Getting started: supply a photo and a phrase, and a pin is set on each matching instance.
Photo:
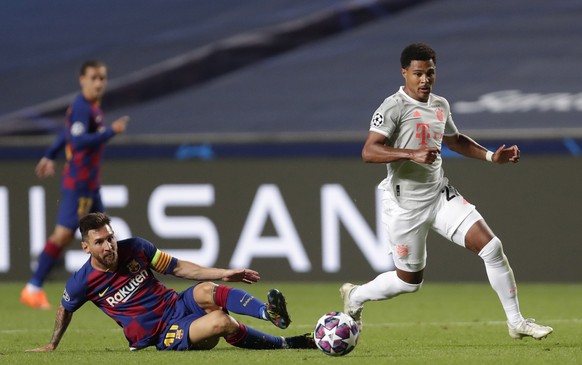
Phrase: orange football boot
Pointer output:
(35, 300)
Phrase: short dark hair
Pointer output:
(90, 64)
(92, 221)
(417, 52)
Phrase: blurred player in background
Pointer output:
(83, 138)
(118, 279)
(406, 133)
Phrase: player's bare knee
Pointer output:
(223, 324)
(204, 294)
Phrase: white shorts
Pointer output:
(407, 229)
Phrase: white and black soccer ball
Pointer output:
(336, 334)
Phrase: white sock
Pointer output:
(385, 286)
(501, 279)
(32, 288)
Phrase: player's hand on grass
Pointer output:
(46, 348)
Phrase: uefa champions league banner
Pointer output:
(297, 219)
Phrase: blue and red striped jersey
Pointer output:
(85, 136)
(132, 295)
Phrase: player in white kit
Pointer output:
(406, 133)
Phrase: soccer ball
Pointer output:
(336, 334)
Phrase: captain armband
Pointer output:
(162, 261)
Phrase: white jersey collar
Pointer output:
(414, 101)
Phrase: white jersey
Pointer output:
(411, 124)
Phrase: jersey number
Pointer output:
(451, 192)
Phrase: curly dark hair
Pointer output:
(417, 52)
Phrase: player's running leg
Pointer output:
(385, 286)
(33, 295)
(502, 281)
(479, 238)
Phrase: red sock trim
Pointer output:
(239, 336)
(220, 295)
(52, 249)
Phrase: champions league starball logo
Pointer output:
(77, 129)
(377, 120)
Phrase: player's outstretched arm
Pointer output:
(241, 275)
(62, 320)
(192, 271)
(466, 146)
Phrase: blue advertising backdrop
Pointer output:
(292, 70)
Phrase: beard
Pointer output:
(109, 260)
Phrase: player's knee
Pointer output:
(406, 287)
(206, 331)
(492, 251)
(62, 236)
(410, 288)
(223, 324)
(204, 294)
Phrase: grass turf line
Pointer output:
(441, 324)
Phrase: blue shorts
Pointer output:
(75, 205)
(186, 311)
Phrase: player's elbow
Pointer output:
(79, 143)
(367, 156)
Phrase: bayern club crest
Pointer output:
(440, 115)
(402, 250)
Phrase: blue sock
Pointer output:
(250, 338)
(239, 301)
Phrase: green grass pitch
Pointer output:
(441, 324)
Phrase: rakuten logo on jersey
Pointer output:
(123, 294)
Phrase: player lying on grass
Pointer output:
(118, 279)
